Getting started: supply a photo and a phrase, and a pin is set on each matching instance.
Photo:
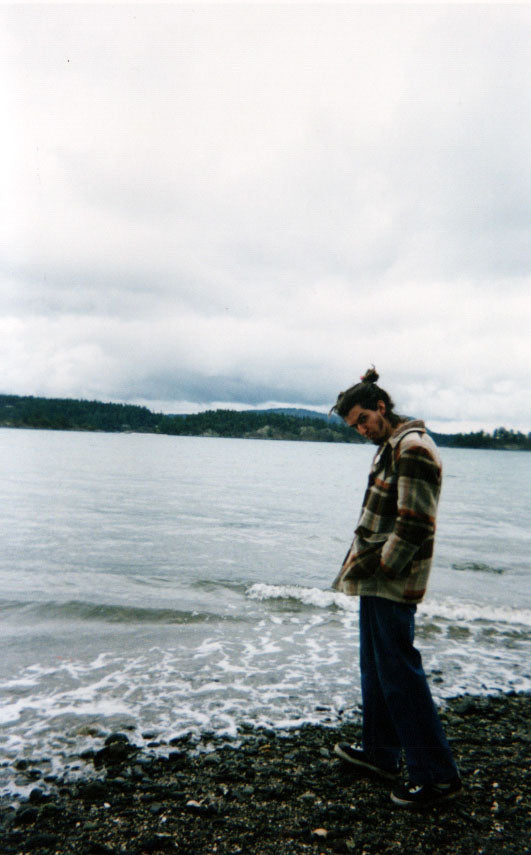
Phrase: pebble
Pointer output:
(26, 815)
(256, 800)
(320, 832)
(37, 796)
(117, 737)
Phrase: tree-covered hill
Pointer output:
(258, 425)
(70, 414)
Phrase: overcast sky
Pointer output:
(247, 204)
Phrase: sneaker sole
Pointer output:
(443, 797)
(368, 767)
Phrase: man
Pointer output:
(388, 566)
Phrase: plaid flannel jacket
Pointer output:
(392, 550)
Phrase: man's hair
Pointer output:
(366, 394)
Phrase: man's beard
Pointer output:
(383, 434)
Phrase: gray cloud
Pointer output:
(250, 204)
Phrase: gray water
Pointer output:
(182, 584)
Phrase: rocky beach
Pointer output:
(275, 793)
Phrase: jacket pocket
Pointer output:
(360, 564)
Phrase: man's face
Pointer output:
(370, 423)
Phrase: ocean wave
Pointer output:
(447, 609)
(476, 567)
(108, 612)
(312, 597)
(214, 585)
(461, 611)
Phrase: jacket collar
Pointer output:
(411, 426)
(387, 449)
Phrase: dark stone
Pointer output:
(97, 848)
(340, 846)
(7, 815)
(15, 838)
(201, 809)
(466, 706)
(145, 762)
(93, 791)
(49, 810)
(257, 801)
(26, 815)
(115, 753)
(177, 757)
(38, 841)
(88, 755)
(157, 843)
(117, 737)
(180, 740)
(33, 774)
(176, 793)
(37, 796)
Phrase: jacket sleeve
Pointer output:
(418, 487)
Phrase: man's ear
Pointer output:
(382, 409)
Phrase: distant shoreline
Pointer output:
(18, 411)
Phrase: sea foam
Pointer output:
(447, 609)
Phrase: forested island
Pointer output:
(18, 411)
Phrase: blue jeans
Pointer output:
(398, 710)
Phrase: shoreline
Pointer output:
(281, 794)
(284, 423)
(440, 439)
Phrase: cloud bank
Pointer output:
(245, 204)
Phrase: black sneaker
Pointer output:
(427, 794)
(358, 758)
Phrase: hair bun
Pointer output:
(371, 375)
